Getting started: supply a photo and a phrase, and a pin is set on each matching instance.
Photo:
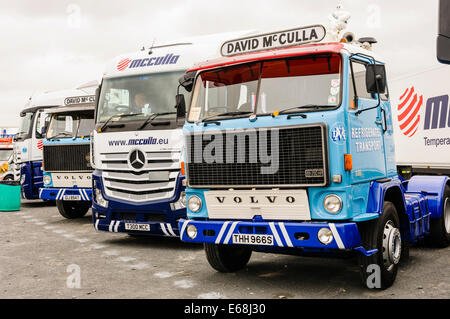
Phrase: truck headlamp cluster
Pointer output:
(194, 203)
(332, 204)
(180, 203)
(99, 198)
(47, 179)
(22, 179)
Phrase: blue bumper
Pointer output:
(50, 193)
(285, 234)
(155, 218)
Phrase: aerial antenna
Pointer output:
(150, 51)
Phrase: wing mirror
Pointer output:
(187, 81)
(376, 78)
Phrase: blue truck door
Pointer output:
(388, 136)
(366, 141)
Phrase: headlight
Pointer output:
(325, 236)
(22, 179)
(195, 203)
(99, 198)
(191, 231)
(332, 204)
(47, 179)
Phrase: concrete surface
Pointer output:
(40, 253)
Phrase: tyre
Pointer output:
(73, 209)
(440, 227)
(380, 269)
(8, 178)
(227, 258)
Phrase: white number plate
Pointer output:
(139, 227)
(250, 239)
(72, 197)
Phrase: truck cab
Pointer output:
(27, 154)
(137, 143)
(289, 149)
(67, 175)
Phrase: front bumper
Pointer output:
(285, 234)
(50, 193)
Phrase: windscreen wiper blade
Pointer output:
(61, 134)
(306, 106)
(119, 116)
(153, 116)
(226, 114)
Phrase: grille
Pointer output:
(61, 158)
(122, 182)
(301, 158)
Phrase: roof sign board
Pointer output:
(86, 99)
(274, 40)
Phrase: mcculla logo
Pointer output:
(408, 112)
(436, 115)
(137, 63)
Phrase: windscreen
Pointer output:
(5, 154)
(71, 125)
(25, 125)
(140, 95)
(264, 87)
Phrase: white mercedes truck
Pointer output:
(136, 148)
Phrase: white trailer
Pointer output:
(421, 116)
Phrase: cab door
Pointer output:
(366, 127)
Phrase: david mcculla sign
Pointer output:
(274, 40)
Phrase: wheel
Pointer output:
(380, 269)
(225, 258)
(73, 209)
(8, 178)
(440, 227)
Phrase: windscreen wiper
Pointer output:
(151, 117)
(306, 106)
(206, 119)
(61, 134)
(119, 116)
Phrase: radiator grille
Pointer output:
(301, 159)
(61, 158)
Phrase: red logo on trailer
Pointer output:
(122, 65)
(408, 112)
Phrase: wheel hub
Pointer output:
(392, 245)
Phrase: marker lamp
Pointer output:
(332, 204)
(194, 203)
(191, 231)
(47, 179)
(325, 236)
(180, 203)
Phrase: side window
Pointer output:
(359, 71)
(41, 121)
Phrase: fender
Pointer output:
(432, 187)
(377, 194)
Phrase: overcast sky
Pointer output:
(58, 44)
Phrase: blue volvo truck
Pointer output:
(289, 149)
(137, 142)
(67, 175)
